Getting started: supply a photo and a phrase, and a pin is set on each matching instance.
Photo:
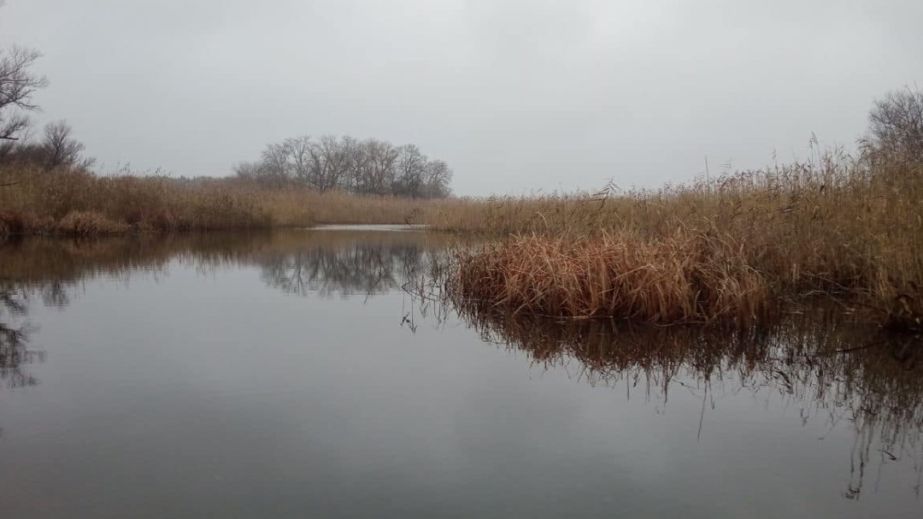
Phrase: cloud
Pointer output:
(516, 95)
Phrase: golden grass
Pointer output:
(685, 277)
(726, 248)
(40, 202)
(709, 250)
(89, 223)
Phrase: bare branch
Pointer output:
(17, 85)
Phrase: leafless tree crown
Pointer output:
(60, 149)
(366, 167)
(17, 84)
(896, 125)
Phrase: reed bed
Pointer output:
(75, 202)
(726, 248)
(685, 277)
(837, 226)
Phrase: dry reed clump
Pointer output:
(686, 277)
(89, 223)
(837, 226)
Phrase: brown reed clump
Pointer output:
(89, 223)
(848, 228)
(685, 277)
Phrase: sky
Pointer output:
(518, 96)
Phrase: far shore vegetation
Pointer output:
(847, 226)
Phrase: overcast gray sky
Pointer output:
(517, 96)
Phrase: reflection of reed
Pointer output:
(831, 369)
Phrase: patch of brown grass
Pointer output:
(89, 223)
(836, 226)
(685, 277)
(35, 201)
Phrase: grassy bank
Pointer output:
(727, 248)
(722, 249)
(730, 248)
(76, 202)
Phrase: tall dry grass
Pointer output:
(850, 228)
(74, 202)
(710, 250)
(685, 277)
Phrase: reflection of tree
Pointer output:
(817, 361)
(295, 261)
(298, 262)
(354, 268)
(13, 352)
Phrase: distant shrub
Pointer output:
(896, 126)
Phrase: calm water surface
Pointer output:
(317, 374)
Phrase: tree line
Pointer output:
(363, 167)
(344, 163)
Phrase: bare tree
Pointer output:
(411, 165)
(368, 167)
(298, 152)
(331, 163)
(373, 167)
(353, 156)
(896, 125)
(275, 161)
(379, 176)
(259, 173)
(17, 84)
(248, 171)
(60, 149)
(436, 179)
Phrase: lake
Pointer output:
(323, 373)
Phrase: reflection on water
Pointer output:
(816, 364)
(824, 367)
(326, 262)
(344, 269)
(14, 355)
(334, 261)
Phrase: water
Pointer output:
(316, 373)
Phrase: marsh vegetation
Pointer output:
(724, 249)
(729, 248)
(837, 226)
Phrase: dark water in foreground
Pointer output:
(295, 374)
